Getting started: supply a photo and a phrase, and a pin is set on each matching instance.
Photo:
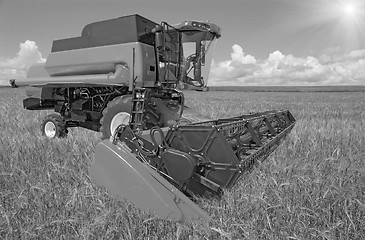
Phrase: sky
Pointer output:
(263, 43)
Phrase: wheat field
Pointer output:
(311, 187)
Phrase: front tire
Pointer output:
(117, 112)
(53, 126)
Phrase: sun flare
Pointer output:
(349, 9)
(346, 9)
(350, 21)
(342, 21)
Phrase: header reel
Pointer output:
(198, 159)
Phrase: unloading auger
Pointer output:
(123, 77)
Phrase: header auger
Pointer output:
(123, 77)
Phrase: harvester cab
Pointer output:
(196, 43)
(121, 77)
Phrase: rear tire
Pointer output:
(116, 112)
(53, 126)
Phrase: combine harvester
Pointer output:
(121, 78)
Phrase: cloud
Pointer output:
(239, 65)
(17, 67)
(239, 56)
(330, 68)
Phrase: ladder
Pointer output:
(137, 114)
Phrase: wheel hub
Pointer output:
(118, 119)
(50, 129)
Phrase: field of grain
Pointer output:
(311, 187)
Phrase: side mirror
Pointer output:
(202, 54)
(12, 83)
(159, 38)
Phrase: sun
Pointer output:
(342, 21)
(346, 10)
(349, 9)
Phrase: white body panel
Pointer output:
(102, 60)
(97, 65)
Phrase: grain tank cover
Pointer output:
(133, 28)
